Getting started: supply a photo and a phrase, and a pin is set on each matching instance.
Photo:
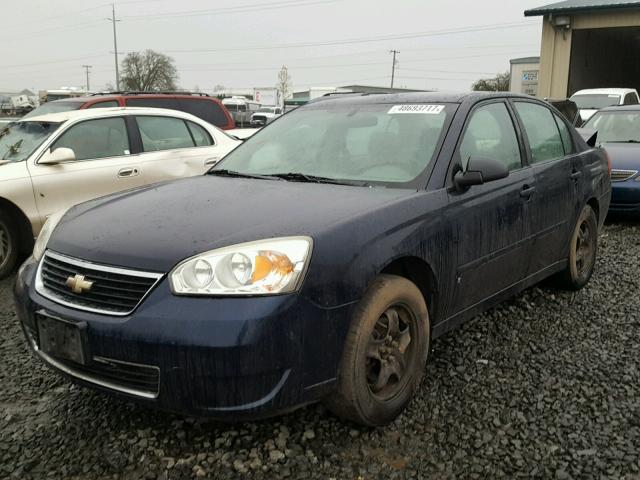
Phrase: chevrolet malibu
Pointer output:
(319, 259)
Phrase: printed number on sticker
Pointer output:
(425, 109)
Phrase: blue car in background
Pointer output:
(320, 258)
(618, 131)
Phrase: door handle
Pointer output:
(527, 191)
(575, 175)
(212, 160)
(128, 172)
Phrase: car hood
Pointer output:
(624, 156)
(155, 227)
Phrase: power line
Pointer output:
(229, 10)
(381, 38)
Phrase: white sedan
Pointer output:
(51, 162)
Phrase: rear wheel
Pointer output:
(582, 252)
(385, 353)
(8, 245)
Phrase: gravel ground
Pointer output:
(546, 386)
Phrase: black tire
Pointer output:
(375, 349)
(583, 248)
(9, 251)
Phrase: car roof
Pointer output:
(105, 97)
(417, 97)
(106, 112)
(612, 91)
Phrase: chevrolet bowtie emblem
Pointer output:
(78, 284)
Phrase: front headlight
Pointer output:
(264, 267)
(45, 234)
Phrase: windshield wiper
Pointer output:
(622, 141)
(303, 177)
(232, 173)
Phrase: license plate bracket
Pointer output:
(62, 339)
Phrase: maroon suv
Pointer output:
(201, 105)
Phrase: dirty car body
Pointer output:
(243, 353)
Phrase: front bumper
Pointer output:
(222, 357)
(625, 197)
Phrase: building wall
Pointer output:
(521, 83)
(555, 48)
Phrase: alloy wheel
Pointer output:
(389, 351)
(5, 246)
(585, 250)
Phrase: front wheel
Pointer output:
(582, 252)
(385, 353)
(8, 245)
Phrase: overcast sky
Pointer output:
(243, 43)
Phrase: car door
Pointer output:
(175, 148)
(103, 164)
(558, 188)
(492, 220)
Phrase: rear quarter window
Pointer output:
(170, 103)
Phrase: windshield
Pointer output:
(621, 126)
(373, 143)
(20, 139)
(54, 107)
(265, 109)
(595, 101)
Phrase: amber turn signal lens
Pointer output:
(267, 262)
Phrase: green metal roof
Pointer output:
(570, 6)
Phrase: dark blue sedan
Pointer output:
(618, 130)
(320, 258)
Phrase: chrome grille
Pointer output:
(114, 291)
(619, 175)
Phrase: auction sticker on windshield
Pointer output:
(428, 109)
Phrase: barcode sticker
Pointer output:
(424, 109)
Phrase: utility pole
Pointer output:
(115, 43)
(393, 66)
(86, 69)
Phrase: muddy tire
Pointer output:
(9, 251)
(583, 247)
(385, 353)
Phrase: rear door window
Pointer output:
(206, 109)
(105, 104)
(200, 135)
(92, 139)
(542, 131)
(567, 142)
(163, 133)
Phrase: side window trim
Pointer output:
(63, 132)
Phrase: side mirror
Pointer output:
(59, 155)
(479, 171)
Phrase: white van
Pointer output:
(241, 109)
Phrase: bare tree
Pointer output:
(148, 71)
(500, 83)
(284, 83)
